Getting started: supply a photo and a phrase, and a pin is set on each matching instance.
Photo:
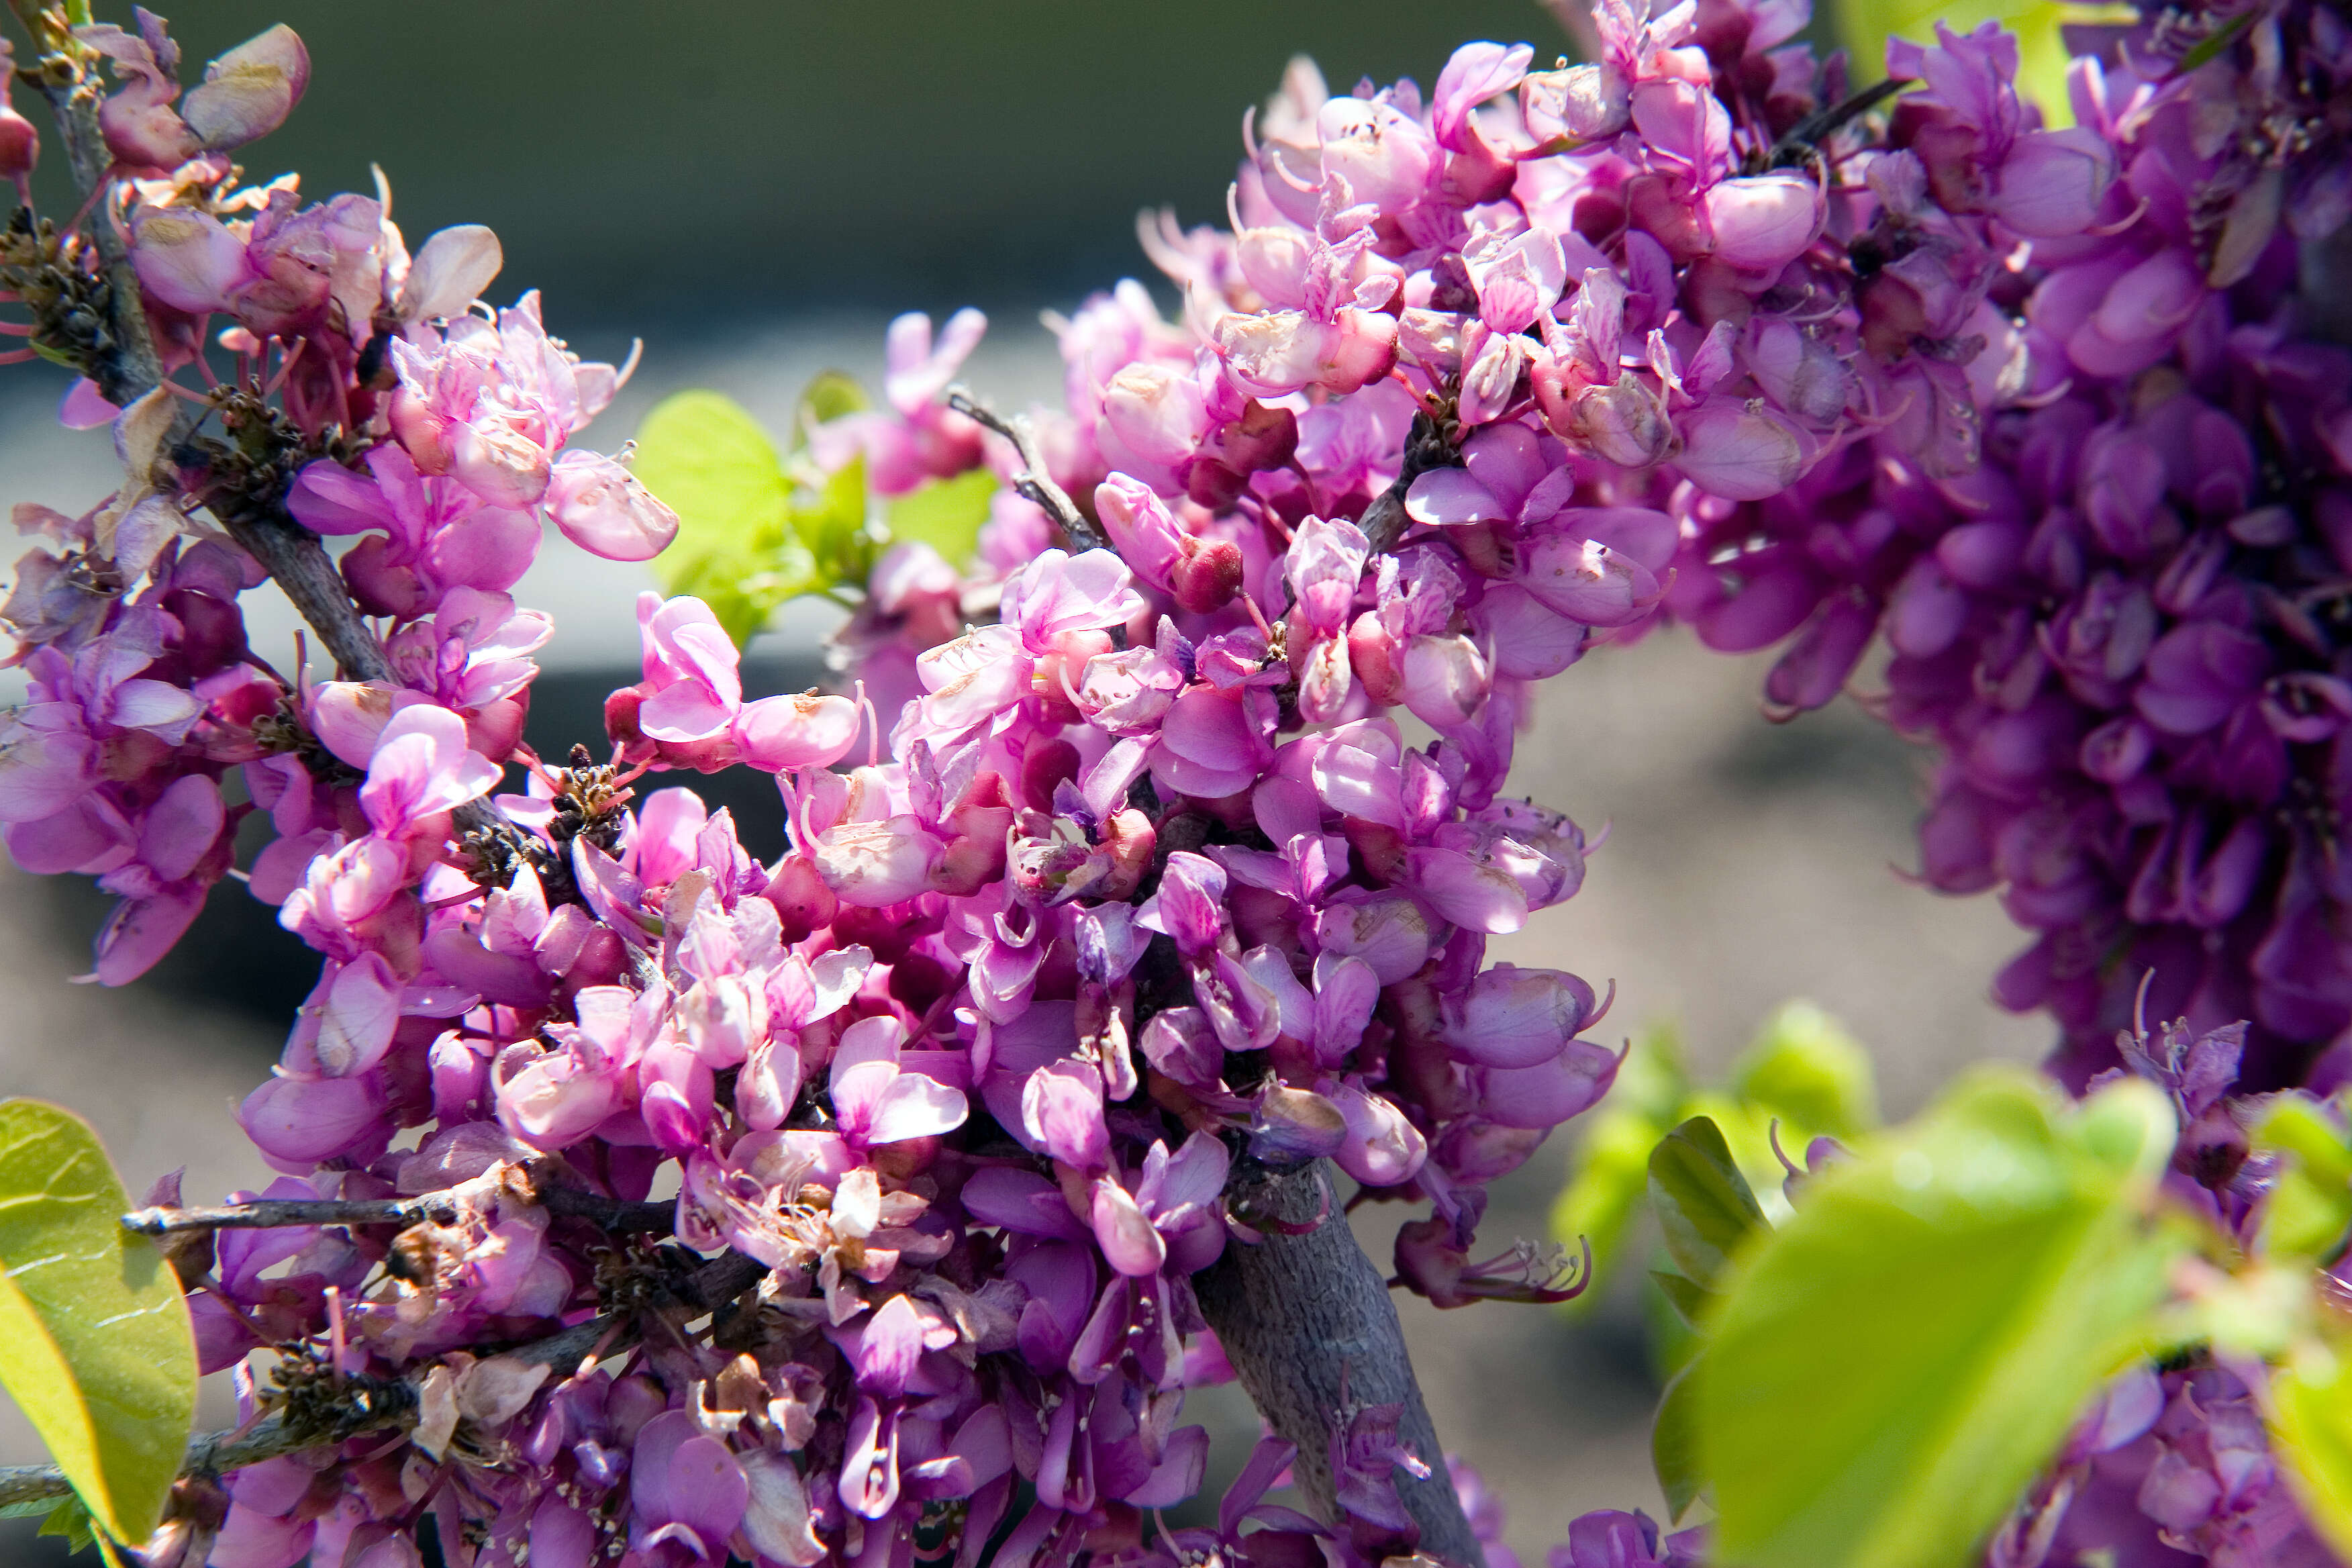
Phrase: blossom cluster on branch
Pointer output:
(1181, 865)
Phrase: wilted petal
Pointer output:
(249, 92)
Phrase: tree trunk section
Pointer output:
(1296, 1310)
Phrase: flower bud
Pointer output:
(873, 865)
(1550, 1092)
(1207, 574)
(20, 143)
(1381, 1148)
(803, 730)
(187, 260)
(1582, 104)
(1740, 451)
(1131, 839)
(500, 462)
(1623, 424)
(1515, 1017)
(1295, 1125)
(1763, 222)
(1445, 680)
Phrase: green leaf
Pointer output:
(747, 544)
(1889, 1367)
(2297, 1124)
(1704, 1207)
(832, 526)
(1673, 1442)
(1804, 1068)
(945, 514)
(1866, 25)
(2311, 1415)
(705, 456)
(2309, 1205)
(2222, 38)
(832, 395)
(70, 1520)
(1690, 1299)
(95, 1344)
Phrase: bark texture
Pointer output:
(1293, 1313)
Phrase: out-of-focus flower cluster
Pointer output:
(1146, 877)
(2101, 519)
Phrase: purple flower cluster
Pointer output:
(1143, 883)
(2100, 519)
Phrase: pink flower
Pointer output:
(601, 508)
(421, 768)
(877, 1102)
(688, 710)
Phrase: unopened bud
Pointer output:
(1207, 574)
(20, 143)
(1131, 839)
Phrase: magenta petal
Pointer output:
(301, 1122)
(1544, 1096)
(1130, 1242)
(328, 497)
(141, 930)
(1451, 496)
(913, 1106)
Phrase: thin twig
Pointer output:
(1804, 138)
(214, 1453)
(1034, 481)
(268, 1214)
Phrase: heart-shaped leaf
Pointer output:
(1887, 1369)
(945, 514)
(95, 1343)
(710, 461)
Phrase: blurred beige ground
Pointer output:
(1745, 864)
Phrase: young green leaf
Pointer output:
(1889, 1367)
(71, 1521)
(945, 514)
(2311, 1419)
(705, 456)
(831, 395)
(832, 527)
(1689, 1299)
(1673, 1441)
(1704, 1207)
(2309, 1205)
(1804, 1068)
(95, 1343)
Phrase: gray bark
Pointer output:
(1294, 1312)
